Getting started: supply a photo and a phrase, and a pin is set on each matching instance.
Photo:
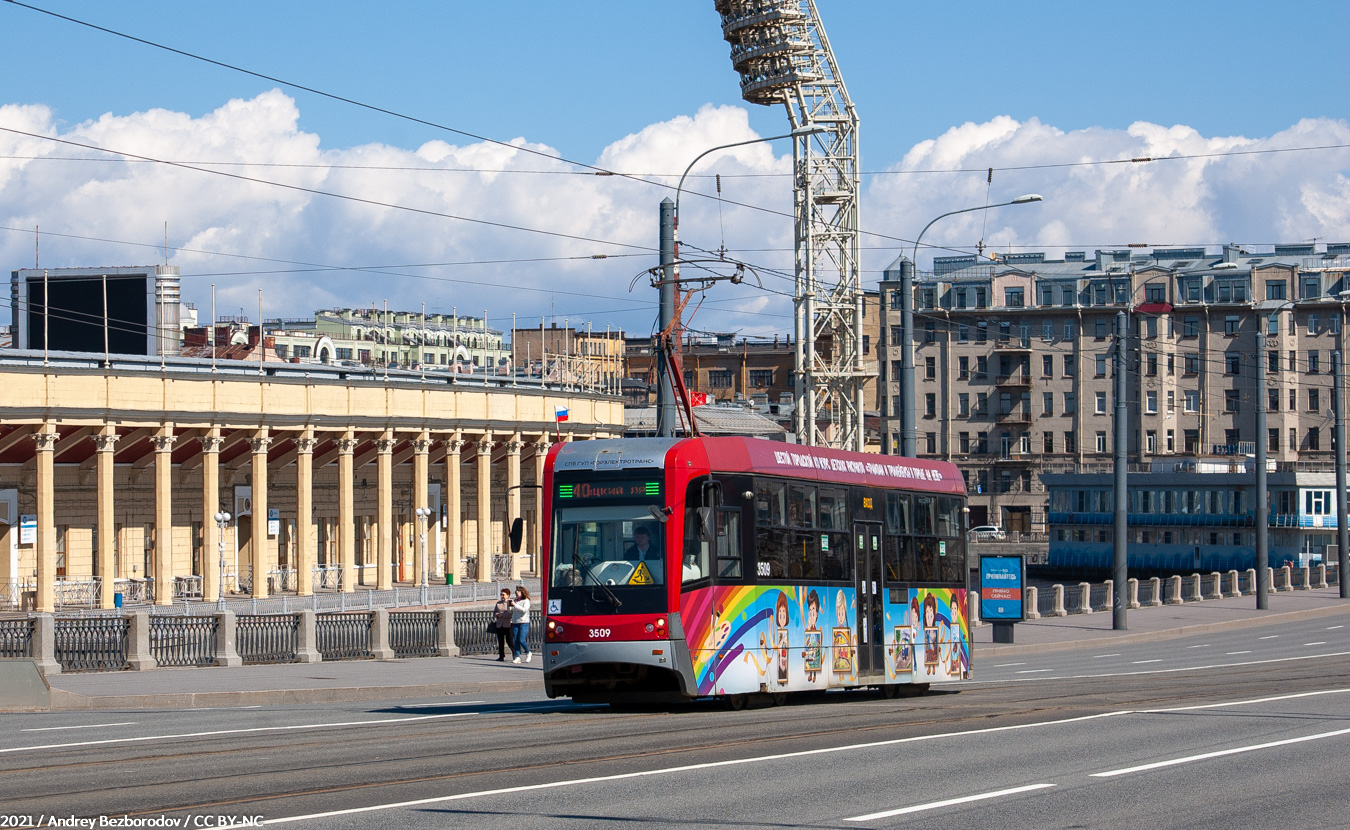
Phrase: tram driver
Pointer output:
(644, 549)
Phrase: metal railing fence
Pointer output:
(16, 639)
(343, 636)
(413, 633)
(183, 641)
(267, 638)
(92, 644)
(472, 635)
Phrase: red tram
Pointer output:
(732, 567)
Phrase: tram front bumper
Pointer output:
(650, 669)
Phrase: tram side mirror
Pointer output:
(706, 531)
(517, 532)
(661, 514)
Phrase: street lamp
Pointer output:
(670, 277)
(423, 516)
(222, 522)
(908, 437)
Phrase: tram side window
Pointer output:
(953, 565)
(909, 566)
(836, 561)
(949, 517)
(924, 507)
(695, 563)
(926, 566)
(803, 555)
(770, 553)
(729, 543)
(897, 513)
(770, 504)
(890, 552)
(833, 509)
(801, 505)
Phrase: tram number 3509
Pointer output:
(597, 633)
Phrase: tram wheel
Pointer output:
(889, 691)
(780, 698)
(737, 702)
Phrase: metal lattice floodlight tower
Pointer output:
(780, 49)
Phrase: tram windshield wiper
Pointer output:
(609, 593)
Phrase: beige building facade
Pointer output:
(111, 477)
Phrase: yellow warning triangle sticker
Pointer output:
(641, 576)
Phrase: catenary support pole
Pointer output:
(1262, 503)
(1342, 529)
(666, 414)
(908, 438)
(1119, 539)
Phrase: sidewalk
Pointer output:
(357, 680)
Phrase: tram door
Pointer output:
(871, 605)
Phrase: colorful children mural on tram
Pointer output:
(750, 638)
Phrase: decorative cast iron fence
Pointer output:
(472, 635)
(267, 638)
(343, 636)
(413, 633)
(91, 643)
(183, 641)
(16, 639)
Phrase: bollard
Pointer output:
(1132, 586)
(1174, 590)
(1270, 580)
(1085, 597)
(1233, 589)
(1155, 598)
(1059, 602)
(139, 657)
(973, 608)
(445, 634)
(1108, 604)
(1322, 575)
(44, 644)
(1031, 608)
(1251, 581)
(379, 635)
(1215, 586)
(307, 639)
(1287, 576)
(227, 652)
(1304, 577)
(1194, 579)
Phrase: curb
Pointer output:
(1166, 634)
(64, 701)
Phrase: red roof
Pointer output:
(756, 455)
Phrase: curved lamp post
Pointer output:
(908, 437)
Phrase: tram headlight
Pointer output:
(552, 624)
(660, 622)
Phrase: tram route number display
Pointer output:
(603, 490)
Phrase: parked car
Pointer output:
(988, 533)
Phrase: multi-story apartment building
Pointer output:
(374, 337)
(570, 355)
(1014, 373)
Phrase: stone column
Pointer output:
(346, 521)
(259, 444)
(1031, 606)
(1155, 588)
(1085, 597)
(45, 445)
(537, 526)
(163, 447)
(304, 513)
(421, 448)
(485, 508)
(453, 519)
(1058, 610)
(1174, 590)
(211, 575)
(512, 498)
(1133, 592)
(1233, 589)
(106, 444)
(384, 579)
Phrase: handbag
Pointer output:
(492, 626)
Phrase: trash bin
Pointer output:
(117, 599)
(449, 579)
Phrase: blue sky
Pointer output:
(649, 85)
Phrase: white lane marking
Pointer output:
(1163, 671)
(1334, 627)
(1321, 643)
(1204, 756)
(1293, 696)
(298, 726)
(933, 805)
(446, 703)
(1231, 653)
(1202, 645)
(1008, 665)
(1097, 656)
(1142, 662)
(220, 708)
(81, 726)
(1034, 671)
(1269, 637)
(623, 776)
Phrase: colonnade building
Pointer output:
(112, 470)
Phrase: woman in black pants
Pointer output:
(501, 619)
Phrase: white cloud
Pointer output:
(1249, 198)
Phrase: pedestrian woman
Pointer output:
(520, 624)
(501, 623)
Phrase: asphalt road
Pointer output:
(1226, 730)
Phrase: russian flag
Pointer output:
(560, 413)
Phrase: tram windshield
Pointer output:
(612, 546)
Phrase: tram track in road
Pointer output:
(269, 771)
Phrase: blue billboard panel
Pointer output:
(1001, 581)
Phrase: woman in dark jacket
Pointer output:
(501, 619)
